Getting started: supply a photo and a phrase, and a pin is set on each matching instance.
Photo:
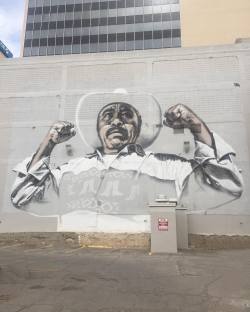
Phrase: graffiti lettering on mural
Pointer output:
(122, 176)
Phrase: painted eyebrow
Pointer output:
(127, 108)
(108, 110)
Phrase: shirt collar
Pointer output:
(127, 150)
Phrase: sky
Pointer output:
(11, 23)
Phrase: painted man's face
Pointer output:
(118, 124)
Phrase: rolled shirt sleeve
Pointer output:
(30, 183)
(216, 163)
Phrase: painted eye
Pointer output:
(127, 114)
(108, 116)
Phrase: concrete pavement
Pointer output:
(106, 280)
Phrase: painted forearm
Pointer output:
(44, 150)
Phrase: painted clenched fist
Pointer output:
(61, 131)
(180, 116)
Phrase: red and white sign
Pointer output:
(162, 224)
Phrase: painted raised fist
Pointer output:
(61, 131)
(180, 116)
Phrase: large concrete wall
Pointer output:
(214, 82)
(214, 22)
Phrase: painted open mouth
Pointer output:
(118, 131)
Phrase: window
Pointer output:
(51, 41)
(69, 7)
(59, 41)
(121, 37)
(67, 40)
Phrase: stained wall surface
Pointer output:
(35, 92)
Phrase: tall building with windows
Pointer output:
(4, 51)
(55, 27)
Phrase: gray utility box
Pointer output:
(163, 228)
(168, 227)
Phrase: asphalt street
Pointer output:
(107, 280)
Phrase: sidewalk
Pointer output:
(106, 280)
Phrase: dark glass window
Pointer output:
(148, 18)
(130, 19)
(39, 10)
(29, 26)
(166, 17)
(93, 39)
(67, 40)
(86, 23)
(167, 33)
(37, 26)
(130, 36)
(46, 10)
(69, 7)
(85, 39)
(121, 3)
(175, 16)
(94, 22)
(176, 33)
(103, 21)
(45, 25)
(35, 43)
(69, 23)
(104, 5)
(86, 6)
(52, 25)
(76, 40)
(27, 43)
(103, 38)
(51, 41)
(78, 7)
(112, 20)
(111, 37)
(54, 9)
(95, 6)
(121, 37)
(61, 8)
(157, 34)
(112, 4)
(157, 17)
(120, 20)
(139, 19)
(60, 24)
(77, 23)
(31, 11)
(148, 35)
(130, 3)
(43, 42)
(59, 41)
(139, 3)
(139, 35)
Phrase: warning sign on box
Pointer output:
(162, 224)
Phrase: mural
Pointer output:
(122, 176)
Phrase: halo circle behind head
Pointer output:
(91, 104)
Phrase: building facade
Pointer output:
(4, 51)
(214, 22)
(213, 82)
(56, 27)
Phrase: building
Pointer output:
(68, 27)
(80, 26)
(210, 22)
(34, 92)
(4, 51)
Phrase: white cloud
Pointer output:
(11, 23)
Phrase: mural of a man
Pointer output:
(120, 177)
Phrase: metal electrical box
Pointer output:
(163, 227)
